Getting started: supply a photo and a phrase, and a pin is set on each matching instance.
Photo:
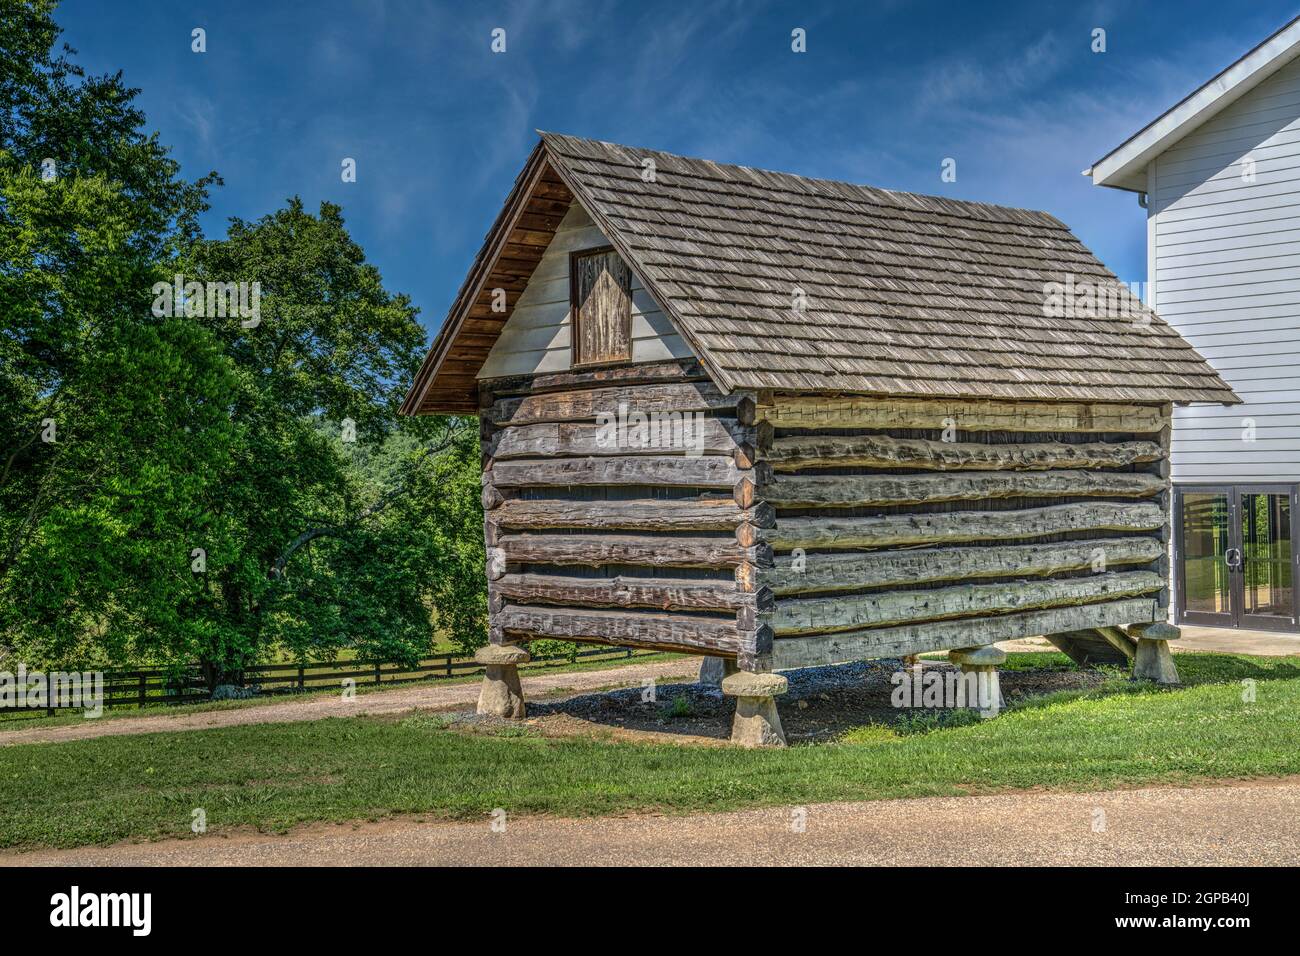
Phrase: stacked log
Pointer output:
(789, 530)
(912, 525)
(622, 509)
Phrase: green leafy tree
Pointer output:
(106, 412)
(177, 487)
(412, 552)
(308, 549)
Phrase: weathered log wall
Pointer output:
(620, 508)
(910, 525)
(639, 505)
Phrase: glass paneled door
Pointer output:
(1203, 525)
(1265, 579)
(1236, 565)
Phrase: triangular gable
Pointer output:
(537, 338)
(511, 251)
(447, 380)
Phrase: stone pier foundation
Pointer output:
(1153, 661)
(983, 662)
(757, 723)
(501, 695)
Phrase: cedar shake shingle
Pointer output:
(906, 294)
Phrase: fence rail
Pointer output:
(143, 686)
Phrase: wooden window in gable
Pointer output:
(600, 302)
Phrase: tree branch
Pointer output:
(445, 441)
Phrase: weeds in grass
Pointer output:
(1117, 684)
(870, 734)
(677, 708)
(926, 721)
(427, 722)
(513, 732)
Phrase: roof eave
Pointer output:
(470, 288)
(1129, 180)
(541, 157)
(1125, 166)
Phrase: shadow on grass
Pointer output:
(1194, 667)
(852, 702)
(1203, 667)
(1032, 661)
(823, 704)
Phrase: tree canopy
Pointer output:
(191, 484)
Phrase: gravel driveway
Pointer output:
(1239, 824)
(418, 697)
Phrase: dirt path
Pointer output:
(1240, 824)
(421, 697)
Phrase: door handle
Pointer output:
(1233, 559)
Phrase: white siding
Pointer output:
(1224, 269)
(536, 337)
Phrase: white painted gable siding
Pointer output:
(1224, 266)
(536, 337)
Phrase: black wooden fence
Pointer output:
(158, 685)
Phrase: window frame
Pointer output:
(575, 315)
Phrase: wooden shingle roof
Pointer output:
(782, 282)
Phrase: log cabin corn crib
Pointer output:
(777, 530)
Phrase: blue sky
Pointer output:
(439, 125)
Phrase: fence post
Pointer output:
(448, 665)
(302, 677)
(377, 666)
(143, 695)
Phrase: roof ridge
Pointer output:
(902, 199)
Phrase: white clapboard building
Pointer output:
(1219, 175)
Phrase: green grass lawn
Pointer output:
(275, 775)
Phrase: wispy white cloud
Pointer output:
(993, 76)
(198, 114)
